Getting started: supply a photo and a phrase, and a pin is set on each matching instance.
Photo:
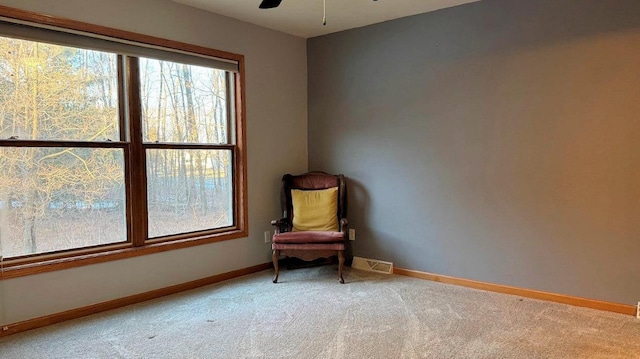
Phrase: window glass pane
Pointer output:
(51, 92)
(182, 103)
(188, 190)
(60, 198)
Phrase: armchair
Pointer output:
(314, 223)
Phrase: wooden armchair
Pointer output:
(314, 223)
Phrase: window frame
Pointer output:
(134, 153)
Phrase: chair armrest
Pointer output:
(282, 225)
(344, 223)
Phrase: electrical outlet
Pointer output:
(352, 234)
(638, 311)
(267, 236)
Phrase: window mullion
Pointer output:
(138, 173)
(124, 137)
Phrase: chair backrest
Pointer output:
(312, 181)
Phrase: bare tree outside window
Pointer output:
(187, 189)
(65, 155)
(56, 198)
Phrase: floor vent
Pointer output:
(372, 265)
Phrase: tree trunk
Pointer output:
(29, 234)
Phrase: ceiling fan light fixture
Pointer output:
(269, 4)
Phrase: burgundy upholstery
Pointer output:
(310, 181)
(309, 245)
(308, 237)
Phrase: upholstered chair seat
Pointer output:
(308, 237)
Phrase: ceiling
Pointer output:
(303, 18)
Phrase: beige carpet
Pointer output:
(310, 315)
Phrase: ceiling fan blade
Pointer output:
(268, 4)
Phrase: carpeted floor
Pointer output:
(310, 315)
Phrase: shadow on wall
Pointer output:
(388, 244)
(357, 198)
(365, 245)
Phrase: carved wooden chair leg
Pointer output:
(276, 255)
(340, 265)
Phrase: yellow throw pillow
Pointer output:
(315, 210)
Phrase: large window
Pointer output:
(185, 128)
(110, 146)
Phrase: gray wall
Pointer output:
(496, 141)
(276, 103)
